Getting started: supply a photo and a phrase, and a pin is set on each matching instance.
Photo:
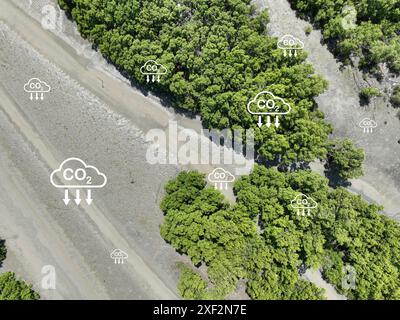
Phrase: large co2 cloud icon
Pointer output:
(74, 173)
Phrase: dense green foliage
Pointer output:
(226, 238)
(370, 92)
(219, 56)
(368, 29)
(13, 289)
(345, 159)
(191, 285)
(262, 239)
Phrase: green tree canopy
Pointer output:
(13, 289)
(219, 56)
(345, 158)
(368, 29)
(263, 240)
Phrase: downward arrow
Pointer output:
(66, 198)
(78, 197)
(259, 123)
(277, 121)
(268, 121)
(89, 199)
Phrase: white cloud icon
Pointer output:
(266, 103)
(289, 42)
(303, 201)
(36, 85)
(368, 123)
(220, 175)
(152, 67)
(75, 173)
(118, 254)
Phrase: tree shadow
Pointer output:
(268, 163)
(334, 179)
(3, 251)
(299, 166)
(302, 269)
(364, 101)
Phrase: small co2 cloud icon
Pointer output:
(222, 177)
(368, 125)
(154, 69)
(119, 256)
(36, 87)
(74, 173)
(303, 203)
(266, 103)
(290, 44)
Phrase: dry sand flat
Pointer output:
(33, 237)
(63, 125)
